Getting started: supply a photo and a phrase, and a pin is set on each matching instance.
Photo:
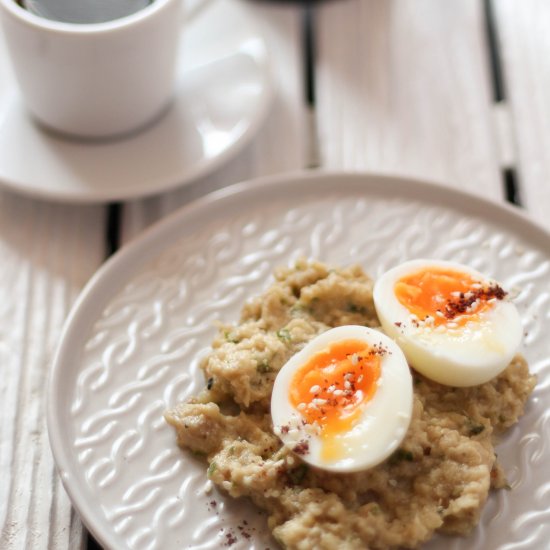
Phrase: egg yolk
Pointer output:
(444, 295)
(331, 389)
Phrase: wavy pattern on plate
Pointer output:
(143, 355)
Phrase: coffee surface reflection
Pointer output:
(83, 11)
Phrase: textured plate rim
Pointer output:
(99, 289)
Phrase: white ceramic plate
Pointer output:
(224, 92)
(132, 344)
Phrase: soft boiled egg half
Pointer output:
(453, 323)
(344, 402)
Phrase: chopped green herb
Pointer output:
(476, 429)
(198, 453)
(263, 367)
(354, 308)
(231, 337)
(473, 427)
(211, 469)
(298, 474)
(375, 510)
(284, 335)
(296, 308)
(400, 455)
(507, 487)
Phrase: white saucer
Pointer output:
(224, 92)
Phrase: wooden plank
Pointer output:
(48, 253)
(525, 45)
(281, 143)
(403, 87)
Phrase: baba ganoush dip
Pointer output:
(438, 480)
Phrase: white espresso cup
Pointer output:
(95, 80)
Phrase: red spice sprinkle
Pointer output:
(301, 448)
(285, 429)
(379, 349)
(453, 308)
(211, 505)
(230, 539)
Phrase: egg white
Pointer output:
(385, 417)
(460, 356)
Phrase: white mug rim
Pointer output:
(44, 24)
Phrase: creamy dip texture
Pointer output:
(438, 479)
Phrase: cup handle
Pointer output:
(194, 9)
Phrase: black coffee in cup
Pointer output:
(83, 11)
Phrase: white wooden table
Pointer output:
(457, 91)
